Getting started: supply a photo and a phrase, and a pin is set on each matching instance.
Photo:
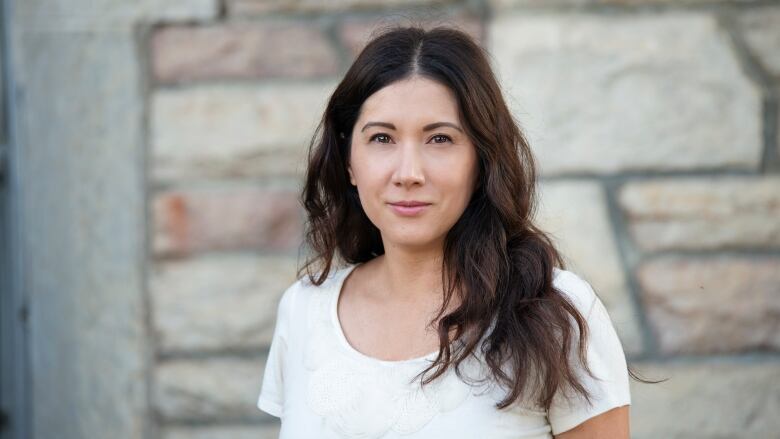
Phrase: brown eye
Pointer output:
(441, 136)
(377, 136)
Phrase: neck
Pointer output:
(410, 276)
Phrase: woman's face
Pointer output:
(408, 145)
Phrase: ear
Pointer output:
(351, 177)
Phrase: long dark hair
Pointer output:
(494, 253)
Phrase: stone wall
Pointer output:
(655, 124)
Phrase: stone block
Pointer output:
(225, 218)
(707, 399)
(242, 50)
(218, 302)
(717, 304)
(502, 4)
(703, 213)
(90, 16)
(208, 389)
(611, 93)
(254, 7)
(234, 130)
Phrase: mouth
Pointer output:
(409, 208)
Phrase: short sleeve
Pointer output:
(605, 358)
(271, 399)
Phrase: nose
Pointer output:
(409, 170)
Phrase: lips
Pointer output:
(410, 203)
(409, 208)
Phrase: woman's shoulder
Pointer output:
(576, 288)
(301, 291)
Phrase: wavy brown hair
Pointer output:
(493, 253)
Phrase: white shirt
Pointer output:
(321, 387)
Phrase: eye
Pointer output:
(442, 136)
(382, 135)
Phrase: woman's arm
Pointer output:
(612, 424)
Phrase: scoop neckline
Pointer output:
(338, 287)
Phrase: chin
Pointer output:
(410, 239)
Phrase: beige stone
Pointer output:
(225, 218)
(242, 50)
(500, 4)
(216, 388)
(703, 212)
(218, 301)
(234, 130)
(574, 213)
(706, 398)
(717, 304)
(608, 93)
(282, 163)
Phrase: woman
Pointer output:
(451, 314)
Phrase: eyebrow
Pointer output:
(430, 126)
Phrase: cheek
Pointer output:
(364, 168)
(457, 177)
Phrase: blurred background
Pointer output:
(151, 153)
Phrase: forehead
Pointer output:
(411, 99)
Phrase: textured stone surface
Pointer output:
(218, 302)
(222, 388)
(107, 15)
(221, 130)
(261, 6)
(760, 28)
(713, 305)
(575, 214)
(509, 3)
(707, 400)
(703, 213)
(289, 49)
(219, 218)
(260, 431)
(79, 246)
(610, 93)
(354, 33)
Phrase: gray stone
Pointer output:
(761, 30)
(601, 93)
(217, 388)
(703, 213)
(707, 400)
(260, 431)
(218, 301)
(108, 15)
(80, 193)
(262, 6)
(233, 130)
(574, 213)
(721, 304)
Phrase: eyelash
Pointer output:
(371, 139)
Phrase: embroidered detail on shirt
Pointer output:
(364, 399)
